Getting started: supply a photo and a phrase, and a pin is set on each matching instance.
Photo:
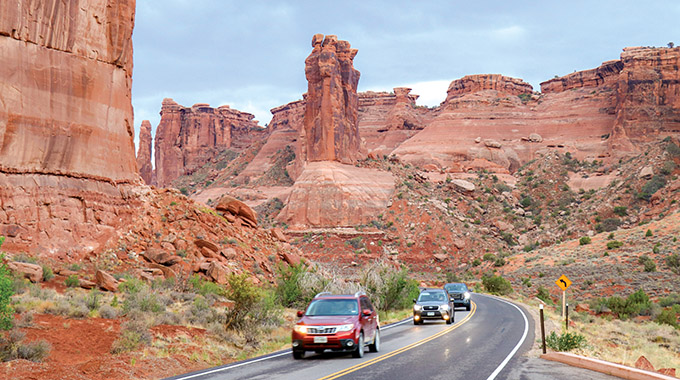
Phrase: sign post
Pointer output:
(563, 282)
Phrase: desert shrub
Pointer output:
(6, 292)
(72, 281)
(668, 167)
(565, 342)
(11, 348)
(621, 210)
(246, 297)
(489, 257)
(204, 287)
(476, 262)
(647, 263)
(668, 317)
(670, 300)
(651, 187)
(93, 298)
(673, 149)
(452, 277)
(389, 288)
(145, 300)
(48, 274)
(649, 233)
(355, 243)
(133, 334)
(132, 285)
(584, 240)
(497, 285)
(108, 312)
(499, 262)
(608, 225)
(544, 295)
(635, 304)
(614, 244)
(673, 263)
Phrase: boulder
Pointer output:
(233, 206)
(105, 281)
(200, 243)
(492, 144)
(646, 173)
(217, 272)
(441, 256)
(158, 256)
(535, 137)
(463, 185)
(86, 284)
(278, 234)
(291, 258)
(33, 272)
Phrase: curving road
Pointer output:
(485, 343)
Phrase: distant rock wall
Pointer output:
(67, 160)
(189, 137)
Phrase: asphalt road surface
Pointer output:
(485, 343)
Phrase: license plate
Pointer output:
(320, 339)
(430, 313)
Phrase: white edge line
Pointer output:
(519, 344)
(268, 357)
(232, 366)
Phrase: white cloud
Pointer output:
(432, 93)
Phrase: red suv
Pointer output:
(339, 323)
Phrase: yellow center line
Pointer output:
(403, 349)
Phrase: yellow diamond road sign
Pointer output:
(563, 282)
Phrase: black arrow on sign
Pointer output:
(564, 282)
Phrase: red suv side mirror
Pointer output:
(366, 312)
(300, 313)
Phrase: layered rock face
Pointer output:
(475, 83)
(330, 122)
(66, 122)
(188, 137)
(144, 153)
(330, 194)
(648, 96)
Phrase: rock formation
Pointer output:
(144, 153)
(188, 137)
(648, 96)
(330, 122)
(329, 192)
(66, 123)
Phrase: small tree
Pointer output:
(671, 45)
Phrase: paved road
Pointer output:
(486, 343)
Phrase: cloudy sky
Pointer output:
(250, 54)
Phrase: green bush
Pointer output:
(614, 244)
(544, 295)
(489, 257)
(648, 263)
(499, 262)
(72, 281)
(47, 273)
(246, 297)
(637, 303)
(621, 210)
(668, 317)
(497, 285)
(651, 187)
(584, 240)
(388, 287)
(673, 263)
(204, 287)
(288, 288)
(6, 293)
(565, 342)
(649, 233)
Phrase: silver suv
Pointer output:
(433, 304)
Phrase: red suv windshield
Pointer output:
(327, 307)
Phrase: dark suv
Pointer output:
(339, 323)
(459, 294)
(433, 304)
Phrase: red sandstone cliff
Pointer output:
(66, 123)
(144, 153)
(188, 137)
